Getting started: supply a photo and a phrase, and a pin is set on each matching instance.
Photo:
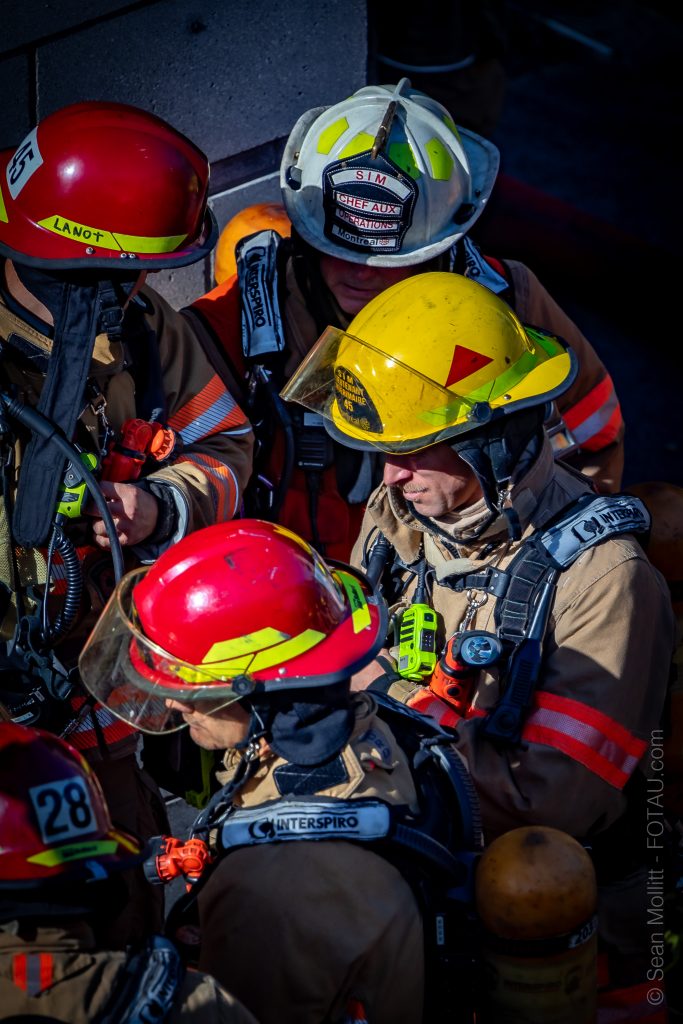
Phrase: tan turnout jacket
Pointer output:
(604, 673)
(310, 932)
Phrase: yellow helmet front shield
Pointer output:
(431, 357)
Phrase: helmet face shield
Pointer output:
(372, 399)
(135, 679)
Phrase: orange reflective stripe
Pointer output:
(588, 736)
(209, 412)
(32, 972)
(222, 481)
(46, 970)
(595, 420)
(428, 704)
(19, 970)
(113, 729)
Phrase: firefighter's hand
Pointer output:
(134, 511)
(361, 680)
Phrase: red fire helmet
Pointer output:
(104, 184)
(239, 607)
(53, 817)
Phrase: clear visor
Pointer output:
(136, 680)
(373, 398)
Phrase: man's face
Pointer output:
(355, 284)
(211, 729)
(435, 480)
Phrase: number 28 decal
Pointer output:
(63, 810)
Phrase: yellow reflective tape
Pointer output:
(123, 840)
(360, 611)
(440, 160)
(79, 232)
(287, 650)
(74, 851)
(141, 243)
(251, 653)
(359, 144)
(3, 211)
(452, 126)
(403, 156)
(292, 536)
(227, 650)
(331, 134)
(101, 239)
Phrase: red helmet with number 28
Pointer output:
(54, 820)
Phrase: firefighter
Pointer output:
(377, 188)
(554, 634)
(330, 838)
(60, 875)
(98, 372)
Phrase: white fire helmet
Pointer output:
(385, 177)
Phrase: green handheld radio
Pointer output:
(417, 642)
(70, 501)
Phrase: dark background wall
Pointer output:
(587, 119)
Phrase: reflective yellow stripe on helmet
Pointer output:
(74, 851)
(360, 612)
(101, 239)
(270, 647)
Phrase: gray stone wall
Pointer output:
(234, 75)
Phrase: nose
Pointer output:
(397, 470)
(361, 271)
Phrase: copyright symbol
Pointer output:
(655, 996)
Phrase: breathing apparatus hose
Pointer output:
(60, 543)
(282, 486)
(42, 426)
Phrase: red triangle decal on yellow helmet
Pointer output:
(465, 362)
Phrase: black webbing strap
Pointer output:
(513, 611)
(61, 401)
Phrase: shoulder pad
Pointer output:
(304, 818)
(262, 334)
(589, 521)
(480, 269)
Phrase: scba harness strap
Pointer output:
(525, 593)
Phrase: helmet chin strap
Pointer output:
(82, 306)
(493, 453)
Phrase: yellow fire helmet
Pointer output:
(433, 357)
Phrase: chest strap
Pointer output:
(526, 592)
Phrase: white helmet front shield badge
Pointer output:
(368, 203)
